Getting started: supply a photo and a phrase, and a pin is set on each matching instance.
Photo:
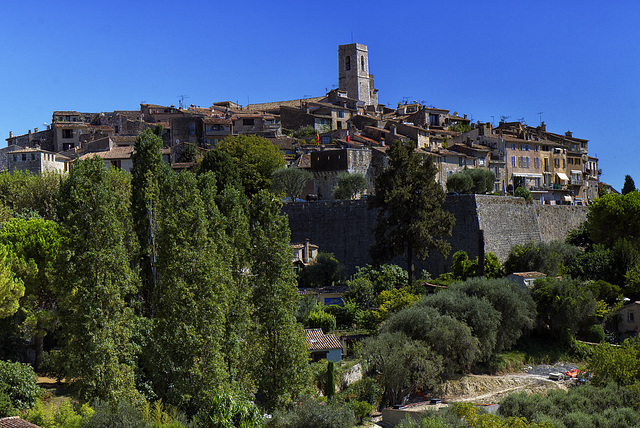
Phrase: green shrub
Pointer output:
(313, 414)
(227, 411)
(6, 406)
(362, 409)
(594, 333)
(20, 381)
(366, 389)
(124, 415)
(323, 320)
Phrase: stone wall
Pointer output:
(345, 228)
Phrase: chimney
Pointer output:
(10, 134)
(29, 132)
(543, 126)
(465, 116)
(35, 130)
(305, 252)
(568, 134)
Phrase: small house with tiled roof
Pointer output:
(525, 279)
(37, 161)
(629, 320)
(16, 422)
(323, 346)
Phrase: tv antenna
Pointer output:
(181, 100)
(504, 118)
(493, 119)
(406, 99)
(522, 121)
(540, 114)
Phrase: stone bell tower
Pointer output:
(353, 73)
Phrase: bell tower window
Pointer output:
(362, 62)
(347, 63)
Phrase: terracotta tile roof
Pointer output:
(318, 341)
(277, 104)
(303, 161)
(217, 120)
(124, 139)
(66, 113)
(101, 127)
(16, 422)
(529, 274)
(284, 142)
(119, 152)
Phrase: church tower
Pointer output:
(353, 73)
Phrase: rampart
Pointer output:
(345, 228)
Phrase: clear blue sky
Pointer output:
(577, 62)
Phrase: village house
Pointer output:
(629, 320)
(323, 346)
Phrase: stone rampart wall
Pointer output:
(345, 228)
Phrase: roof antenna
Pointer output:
(181, 100)
(540, 113)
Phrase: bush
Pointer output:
(594, 333)
(6, 406)
(323, 320)
(227, 411)
(522, 192)
(312, 414)
(362, 409)
(124, 415)
(366, 389)
(20, 381)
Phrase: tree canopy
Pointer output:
(290, 181)
(256, 159)
(411, 220)
(349, 185)
(629, 186)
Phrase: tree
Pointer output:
(612, 217)
(411, 220)
(523, 192)
(629, 185)
(326, 271)
(190, 305)
(349, 185)
(148, 169)
(476, 312)
(404, 365)
(28, 195)
(290, 181)
(471, 181)
(564, 305)
(550, 258)
(282, 356)
(97, 281)
(459, 182)
(256, 158)
(446, 336)
(11, 288)
(223, 167)
(514, 303)
(35, 245)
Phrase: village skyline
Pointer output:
(569, 64)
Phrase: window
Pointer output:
(513, 161)
(557, 163)
(528, 164)
(630, 316)
(564, 163)
(67, 133)
(577, 161)
(460, 161)
(247, 122)
(24, 157)
(15, 158)
(519, 161)
(362, 62)
(33, 156)
(347, 63)
(433, 119)
(339, 125)
(340, 113)
(481, 162)
(192, 128)
(526, 147)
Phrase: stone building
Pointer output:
(353, 74)
(327, 164)
(37, 161)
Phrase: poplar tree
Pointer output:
(147, 172)
(283, 367)
(190, 304)
(96, 282)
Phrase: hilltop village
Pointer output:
(346, 130)
(152, 273)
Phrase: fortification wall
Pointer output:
(345, 228)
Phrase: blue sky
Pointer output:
(577, 62)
